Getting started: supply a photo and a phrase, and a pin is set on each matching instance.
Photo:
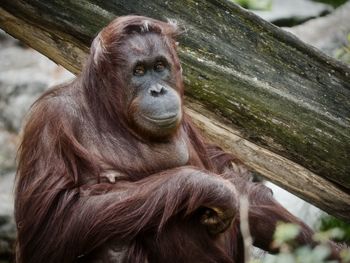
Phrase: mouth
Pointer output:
(163, 121)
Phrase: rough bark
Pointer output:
(278, 104)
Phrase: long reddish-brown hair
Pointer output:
(65, 212)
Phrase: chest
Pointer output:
(136, 159)
(164, 155)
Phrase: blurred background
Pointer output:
(25, 74)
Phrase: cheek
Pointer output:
(133, 108)
(129, 93)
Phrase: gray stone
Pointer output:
(286, 12)
(16, 104)
(6, 40)
(308, 213)
(7, 224)
(327, 33)
(24, 76)
(8, 142)
(6, 194)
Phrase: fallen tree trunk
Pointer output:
(279, 105)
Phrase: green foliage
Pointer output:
(285, 233)
(329, 223)
(333, 233)
(284, 239)
(345, 255)
(255, 4)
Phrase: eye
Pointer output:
(139, 70)
(159, 66)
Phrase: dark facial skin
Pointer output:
(154, 103)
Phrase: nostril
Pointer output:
(155, 91)
(162, 91)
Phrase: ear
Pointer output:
(176, 29)
(145, 26)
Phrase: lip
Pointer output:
(163, 121)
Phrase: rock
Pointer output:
(327, 33)
(292, 12)
(308, 213)
(6, 196)
(6, 40)
(7, 225)
(24, 75)
(8, 142)
(15, 100)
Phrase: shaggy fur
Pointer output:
(66, 210)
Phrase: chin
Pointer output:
(158, 128)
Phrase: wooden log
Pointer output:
(278, 104)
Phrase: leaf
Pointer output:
(320, 253)
(285, 233)
(334, 233)
(345, 255)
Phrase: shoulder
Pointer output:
(58, 103)
(56, 112)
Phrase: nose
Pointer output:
(157, 90)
